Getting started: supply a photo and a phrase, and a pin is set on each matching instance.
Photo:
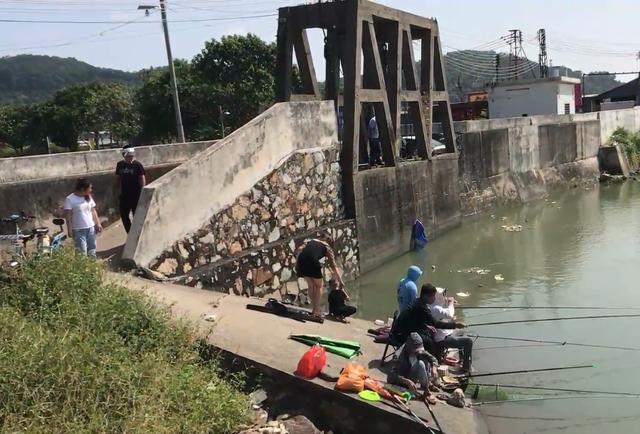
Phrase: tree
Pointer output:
(241, 70)
(23, 127)
(90, 108)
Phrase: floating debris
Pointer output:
(433, 267)
(512, 228)
(503, 218)
(498, 277)
(463, 294)
(475, 270)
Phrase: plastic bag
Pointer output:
(312, 362)
(352, 378)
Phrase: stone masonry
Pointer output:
(247, 248)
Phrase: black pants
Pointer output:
(342, 311)
(375, 152)
(128, 206)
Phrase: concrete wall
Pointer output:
(78, 164)
(520, 163)
(389, 200)
(38, 185)
(177, 204)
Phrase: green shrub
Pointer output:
(78, 355)
(630, 144)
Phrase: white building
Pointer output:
(545, 96)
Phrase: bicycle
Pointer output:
(46, 244)
(17, 240)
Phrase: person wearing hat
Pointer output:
(414, 367)
(131, 176)
(407, 289)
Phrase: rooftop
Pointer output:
(561, 79)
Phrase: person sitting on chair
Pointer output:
(337, 306)
(407, 289)
(446, 337)
(418, 318)
(414, 368)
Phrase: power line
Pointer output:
(143, 22)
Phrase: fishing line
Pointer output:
(553, 389)
(550, 307)
(554, 319)
(548, 398)
(527, 371)
(561, 343)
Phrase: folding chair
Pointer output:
(391, 342)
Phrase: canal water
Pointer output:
(576, 248)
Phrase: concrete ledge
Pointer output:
(78, 164)
(180, 202)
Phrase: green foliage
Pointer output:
(80, 355)
(27, 79)
(630, 143)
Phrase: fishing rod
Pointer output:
(554, 389)
(549, 398)
(527, 371)
(553, 319)
(549, 307)
(561, 343)
(418, 419)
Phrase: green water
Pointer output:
(579, 248)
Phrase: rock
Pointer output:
(302, 284)
(168, 267)
(255, 231)
(286, 179)
(276, 267)
(259, 241)
(261, 275)
(274, 235)
(260, 416)
(292, 245)
(244, 200)
(304, 208)
(235, 247)
(153, 275)
(274, 180)
(182, 251)
(265, 215)
(276, 283)
(319, 212)
(320, 169)
(239, 212)
(307, 180)
(285, 274)
(318, 157)
(302, 193)
(208, 239)
(257, 194)
(307, 164)
(291, 287)
(335, 168)
(300, 425)
(186, 267)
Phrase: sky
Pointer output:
(591, 35)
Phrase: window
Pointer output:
(567, 109)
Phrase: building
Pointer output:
(544, 96)
(475, 107)
(624, 96)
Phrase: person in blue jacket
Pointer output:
(408, 289)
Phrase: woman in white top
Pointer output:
(82, 218)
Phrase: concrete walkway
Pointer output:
(263, 338)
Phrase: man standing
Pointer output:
(375, 149)
(132, 178)
(446, 337)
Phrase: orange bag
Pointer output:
(312, 362)
(352, 378)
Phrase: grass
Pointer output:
(80, 355)
(630, 143)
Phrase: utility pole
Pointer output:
(638, 83)
(542, 57)
(172, 70)
(172, 74)
(515, 47)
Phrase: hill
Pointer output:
(469, 70)
(28, 78)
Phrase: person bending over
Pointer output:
(414, 368)
(309, 267)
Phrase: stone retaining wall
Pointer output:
(247, 248)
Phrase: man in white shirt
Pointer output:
(446, 337)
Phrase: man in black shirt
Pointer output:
(418, 318)
(132, 179)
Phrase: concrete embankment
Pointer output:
(260, 341)
(38, 184)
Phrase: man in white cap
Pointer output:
(132, 178)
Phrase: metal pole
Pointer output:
(172, 73)
(221, 120)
